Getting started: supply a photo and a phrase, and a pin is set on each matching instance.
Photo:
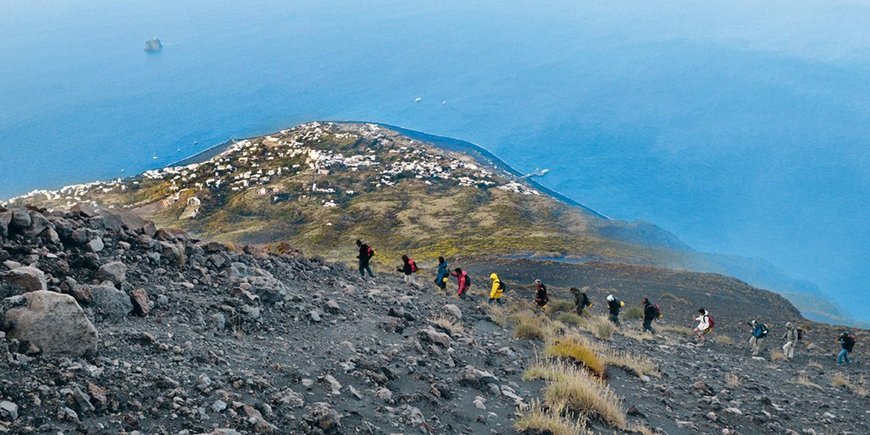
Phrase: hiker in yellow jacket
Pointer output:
(497, 289)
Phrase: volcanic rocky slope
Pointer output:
(111, 325)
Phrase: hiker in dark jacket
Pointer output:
(615, 306)
(759, 331)
(443, 273)
(581, 300)
(408, 269)
(365, 255)
(541, 298)
(847, 343)
(650, 313)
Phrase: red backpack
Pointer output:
(710, 321)
(413, 265)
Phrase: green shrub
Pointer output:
(633, 313)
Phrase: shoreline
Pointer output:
(446, 142)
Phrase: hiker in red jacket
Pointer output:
(463, 280)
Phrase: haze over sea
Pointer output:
(740, 126)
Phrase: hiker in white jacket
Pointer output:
(704, 324)
(791, 337)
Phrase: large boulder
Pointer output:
(5, 220)
(20, 219)
(28, 278)
(141, 304)
(111, 303)
(38, 224)
(115, 271)
(53, 322)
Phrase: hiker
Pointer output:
(759, 332)
(541, 298)
(651, 312)
(441, 279)
(497, 289)
(409, 268)
(581, 301)
(705, 324)
(615, 306)
(791, 337)
(463, 281)
(847, 343)
(365, 255)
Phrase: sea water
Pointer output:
(742, 127)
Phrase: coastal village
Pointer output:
(265, 165)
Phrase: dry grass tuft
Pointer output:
(580, 392)
(633, 313)
(557, 305)
(528, 328)
(639, 365)
(548, 420)
(639, 336)
(600, 326)
(571, 319)
(723, 339)
(499, 315)
(804, 380)
(839, 380)
(776, 355)
(449, 324)
(682, 330)
(577, 351)
(732, 380)
(815, 365)
(640, 428)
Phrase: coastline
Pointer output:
(478, 152)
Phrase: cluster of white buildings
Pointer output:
(261, 162)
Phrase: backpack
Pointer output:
(658, 311)
(800, 334)
(501, 286)
(764, 330)
(413, 265)
(370, 252)
(467, 281)
(849, 342)
(710, 322)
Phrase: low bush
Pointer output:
(633, 313)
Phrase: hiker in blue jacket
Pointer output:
(443, 273)
(759, 332)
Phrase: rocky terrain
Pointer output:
(111, 325)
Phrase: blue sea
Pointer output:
(743, 127)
